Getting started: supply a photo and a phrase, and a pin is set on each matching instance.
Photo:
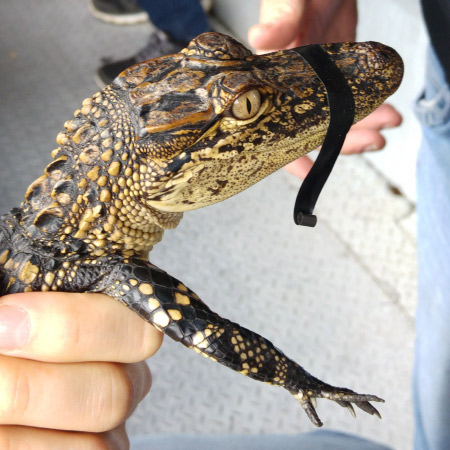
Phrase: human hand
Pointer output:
(72, 370)
(291, 23)
(363, 136)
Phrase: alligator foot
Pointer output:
(342, 396)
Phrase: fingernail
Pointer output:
(14, 327)
(372, 148)
(390, 125)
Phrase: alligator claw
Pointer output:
(343, 397)
(347, 405)
(310, 412)
(368, 408)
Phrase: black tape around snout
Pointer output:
(342, 112)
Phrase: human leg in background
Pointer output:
(431, 382)
(314, 440)
(176, 23)
(182, 20)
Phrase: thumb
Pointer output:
(279, 24)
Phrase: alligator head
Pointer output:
(215, 118)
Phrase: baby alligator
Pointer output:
(167, 136)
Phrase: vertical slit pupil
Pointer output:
(249, 106)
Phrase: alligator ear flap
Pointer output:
(146, 71)
(134, 75)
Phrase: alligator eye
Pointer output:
(247, 105)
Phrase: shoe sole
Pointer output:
(206, 5)
(119, 19)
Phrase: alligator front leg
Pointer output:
(177, 311)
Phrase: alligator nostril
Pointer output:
(385, 55)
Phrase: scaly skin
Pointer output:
(170, 135)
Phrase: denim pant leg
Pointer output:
(315, 440)
(431, 382)
(181, 19)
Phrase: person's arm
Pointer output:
(292, 23)
(72, 370)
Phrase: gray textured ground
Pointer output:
(338, 298)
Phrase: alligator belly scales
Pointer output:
(170, 135)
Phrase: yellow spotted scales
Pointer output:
(170, 135)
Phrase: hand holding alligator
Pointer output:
(58, 340)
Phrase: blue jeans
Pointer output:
(182, 20)
(315, 440)
(431, 381)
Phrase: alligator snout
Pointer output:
(373, 71)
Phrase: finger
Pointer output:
(364, 136)
(362, 140)
(278, 25)
(385, 116)
(68, 327)
(356, 141)
(300, 167)
(18, 438)
(341, 23)
(92, 397)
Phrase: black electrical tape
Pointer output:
(342, 112)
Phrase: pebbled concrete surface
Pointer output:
(339, 298)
